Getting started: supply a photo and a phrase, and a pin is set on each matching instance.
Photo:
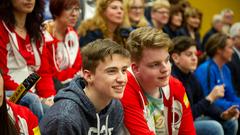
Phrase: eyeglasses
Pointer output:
(136, 8)
(162, 12)
(73, 9)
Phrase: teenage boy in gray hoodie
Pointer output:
(90, 104)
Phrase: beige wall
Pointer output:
(211, 7)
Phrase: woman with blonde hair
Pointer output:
(135, 13)
(160, 13)
(106, 23)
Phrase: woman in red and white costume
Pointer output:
(62, 42)
(22, 46)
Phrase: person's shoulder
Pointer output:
(178, 91)
(132, 88)
(116, 104)
(116, 110)
(226, 68)
(19, 109)
(23, 112)
(116, 107)
(1, 25)
(174, 81)
(176, 87)
(202, 67)
(124, 32)
(95, 33)
(131, 79)
(59, 120)
(64, 110)
(3, 30)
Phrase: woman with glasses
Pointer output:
(135, 13)
(160, 13)
(62, 41)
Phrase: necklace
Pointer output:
(20, 29)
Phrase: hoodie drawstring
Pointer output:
(173, 113)
(98, 124)
(106, 125)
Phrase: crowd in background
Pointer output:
(208, 66)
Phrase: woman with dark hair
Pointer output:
(175, 21)
(15, 119)
(191, 25)
(23, 50)
(63, 46)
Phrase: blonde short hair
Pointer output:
(160, 4)
(146, 37)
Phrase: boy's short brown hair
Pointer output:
(182, 43)
(98, 50)
(146, 37)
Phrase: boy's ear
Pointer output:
(135, 68)
(87, 75)
(175, 57)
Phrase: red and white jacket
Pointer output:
(24, 118)
(177, 111)
(18, 61)
(64, 56)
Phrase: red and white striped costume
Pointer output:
(21, 57)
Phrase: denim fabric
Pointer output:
(230, 127)
(31, 101)
(207, 126)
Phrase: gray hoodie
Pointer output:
(74, 114)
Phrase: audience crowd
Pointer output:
(138, 67)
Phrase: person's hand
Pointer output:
(231, 112)
(217, 92)
(48, 101)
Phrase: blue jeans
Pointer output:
(230, 127)
(208, 126)
(31, 101)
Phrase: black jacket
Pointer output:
(234, 66)
(199, 105)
